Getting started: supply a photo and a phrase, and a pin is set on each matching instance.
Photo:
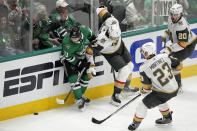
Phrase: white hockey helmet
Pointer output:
(176, 9)
(61, 3)
(149, 47)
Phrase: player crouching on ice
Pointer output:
(111, 46)
(157, 80)
(77, 56)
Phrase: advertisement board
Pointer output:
(39, 77)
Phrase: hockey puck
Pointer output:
(35, 113)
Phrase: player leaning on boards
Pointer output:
(156, 76)
(77, 55)
(182, 40)
(110, 45)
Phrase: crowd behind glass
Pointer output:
(22, 22)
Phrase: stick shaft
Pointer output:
(101, 121)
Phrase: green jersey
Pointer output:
(37, 33)
(58, 28)
(73, 52)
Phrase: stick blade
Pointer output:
(59, 101)
(97, 121)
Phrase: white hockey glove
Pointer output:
(91, 71)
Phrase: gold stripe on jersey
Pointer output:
(179, 67)
(165, 91)
(114, 50)
(185, 44)
(89, 51)
(102, 13)
(147, 86)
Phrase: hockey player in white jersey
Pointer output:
(159, 82)
(110, 45)
(179, 40)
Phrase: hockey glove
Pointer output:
(83, 64)
(91, 71)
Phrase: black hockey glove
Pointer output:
(83, 64)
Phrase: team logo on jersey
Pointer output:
(67, 47)
(180, 23)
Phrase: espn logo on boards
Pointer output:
(34, 76)
(32, 81)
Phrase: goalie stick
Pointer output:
(60, 101)
(94, 120)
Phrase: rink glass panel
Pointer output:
(17, 27)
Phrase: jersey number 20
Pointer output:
(161, 76)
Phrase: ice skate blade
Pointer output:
(115, 103)
(163, 125)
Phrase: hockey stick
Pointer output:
(60, 101)
(101, 121)
(94, 120)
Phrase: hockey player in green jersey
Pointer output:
(76, 56)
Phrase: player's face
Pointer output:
(174, 17)
(3, 22)
(75, 40)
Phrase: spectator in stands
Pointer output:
(7, 38)
(15, 21)
(60, 24)
(3, 8)
(192, 10)
(117, 8)
(40, 21)
(138, 13)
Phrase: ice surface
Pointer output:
(70, 119)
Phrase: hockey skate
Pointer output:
(166, 120)
(134, 125)
(129, 91)
(87, 101)
(115, 100)
(81, 104)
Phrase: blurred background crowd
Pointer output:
(30, 25)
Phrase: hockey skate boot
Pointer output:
(115, 100)
(81, 104)
(134, 125)
(166, 120)
(87, 101)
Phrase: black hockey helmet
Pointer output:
(75, 32)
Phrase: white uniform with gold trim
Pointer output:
(157, 71)
(180, 34)
(109, 46)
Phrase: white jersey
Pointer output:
(180, 33)
(109, 46)
(157, 71)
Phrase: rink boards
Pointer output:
(32, 83)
